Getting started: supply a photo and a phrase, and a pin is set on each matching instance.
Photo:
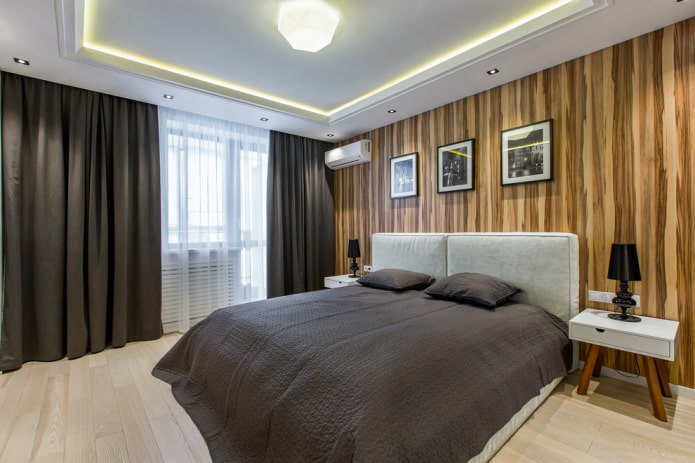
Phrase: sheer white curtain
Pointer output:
(214, 178)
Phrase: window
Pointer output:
(214, 178)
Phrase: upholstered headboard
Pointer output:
(544, 265)
(419, 252)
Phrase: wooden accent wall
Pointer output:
(624, 133)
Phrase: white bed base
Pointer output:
(545, 265)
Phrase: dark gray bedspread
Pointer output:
(360, 374)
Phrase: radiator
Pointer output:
(211, 282)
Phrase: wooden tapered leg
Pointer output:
(662, 373)
(588, 370)
(599, 362)
(650, 372)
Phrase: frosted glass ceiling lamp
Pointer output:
(307, 25)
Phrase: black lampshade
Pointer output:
(624, 265)
(353, 248)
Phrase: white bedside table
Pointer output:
(340, 280)
(654, 339)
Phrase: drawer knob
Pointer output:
(600, 330)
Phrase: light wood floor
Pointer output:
(107, 407)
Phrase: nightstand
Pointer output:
(340, 280)
(654, 339)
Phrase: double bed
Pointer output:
(361, 373)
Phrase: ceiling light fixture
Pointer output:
(167, 96)
(493, 71)
(264, 119)
(391, 111)
(330, 135)
(21, 61)
(308, 25)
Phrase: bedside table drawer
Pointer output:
(331, 283)
(624, 341)
(339, 280)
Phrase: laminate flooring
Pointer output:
(107, 407)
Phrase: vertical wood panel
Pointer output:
(624, 133)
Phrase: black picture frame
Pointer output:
(456, 166)
(404, 176)
(526, 153)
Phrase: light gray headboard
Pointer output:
(419, 252)
(544, 265)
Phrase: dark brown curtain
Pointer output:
(82, 221)
(301, 215)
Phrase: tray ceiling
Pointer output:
(227, 59)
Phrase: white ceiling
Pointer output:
(225, 58)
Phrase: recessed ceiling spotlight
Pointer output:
(391, 111)
(330, 135)
(21, 61)
(264, 119)
(168, 97)
(493, 71)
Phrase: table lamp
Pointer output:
(354, 253)
(624, 267)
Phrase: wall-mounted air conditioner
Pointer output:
(349, 155)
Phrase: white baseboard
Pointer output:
(642, 381)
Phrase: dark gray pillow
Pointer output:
(473, 288)
(396, 279)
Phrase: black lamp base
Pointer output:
(624, 317)
(354, 268)
(624, 301)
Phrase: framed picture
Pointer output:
(527, 153)
(404, 176)
(455, 167)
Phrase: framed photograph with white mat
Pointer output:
(527, 153)
(404, 176)
(455, 166)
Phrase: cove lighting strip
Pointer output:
(90, 24)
